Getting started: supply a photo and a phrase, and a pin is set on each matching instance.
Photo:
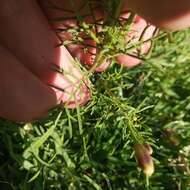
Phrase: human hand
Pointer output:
(62, 16)
(167, 14)
(29, 79)
(30, 86)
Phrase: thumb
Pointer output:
(167, 14)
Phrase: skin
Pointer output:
(33, 45)
(87, 57)
(29, 54)
(167, 14)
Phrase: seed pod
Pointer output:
(144, 159)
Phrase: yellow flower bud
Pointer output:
(144, 159)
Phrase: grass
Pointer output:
(90, 147)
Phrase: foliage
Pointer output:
(91, 147)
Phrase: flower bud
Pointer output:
(144, 159)
(171, 136)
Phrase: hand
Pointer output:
(30, 58)
(58, 10)
(167, 14)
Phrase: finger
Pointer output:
(27, 34)
(69, 84)
(140, 32)
(23, 97)
(86, 52)
(64, 15)
(168, 14)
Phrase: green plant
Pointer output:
(90, 147)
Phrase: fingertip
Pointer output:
(140, 32)
(70, 85)
(127, 60)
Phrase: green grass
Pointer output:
(91, 147)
